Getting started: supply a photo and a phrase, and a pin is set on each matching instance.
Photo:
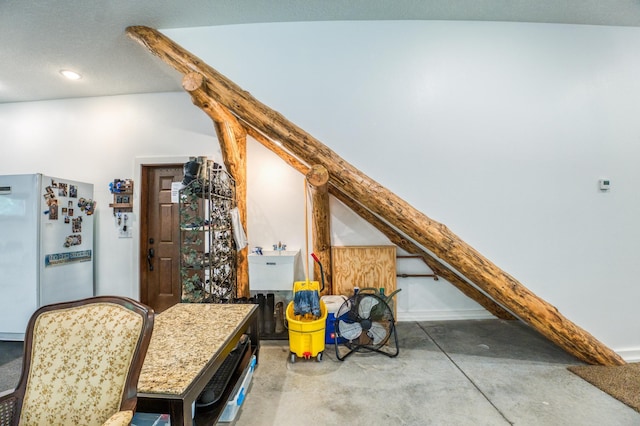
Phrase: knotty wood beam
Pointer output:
(434, 236)
(318, 179)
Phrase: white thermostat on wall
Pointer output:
(604, 184)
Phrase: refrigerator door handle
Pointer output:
(150, 255)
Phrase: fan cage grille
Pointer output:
(364, 323)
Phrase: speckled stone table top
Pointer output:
(185, 337)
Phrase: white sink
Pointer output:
(273, 270)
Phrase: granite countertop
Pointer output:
(185, 338)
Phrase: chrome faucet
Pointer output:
(279, 246)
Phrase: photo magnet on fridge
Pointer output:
(62, 189)
(53, 209)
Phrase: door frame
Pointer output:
(139, 162)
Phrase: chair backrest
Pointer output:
(82, 360)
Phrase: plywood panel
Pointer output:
(363, 266)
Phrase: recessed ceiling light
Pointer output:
(71, 75)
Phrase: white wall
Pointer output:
(500, 131)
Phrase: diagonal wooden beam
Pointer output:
(434, 236)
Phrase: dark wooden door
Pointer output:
(160, 285)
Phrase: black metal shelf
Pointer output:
(205, 227)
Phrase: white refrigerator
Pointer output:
(46, 246)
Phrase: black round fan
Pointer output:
(365, 322)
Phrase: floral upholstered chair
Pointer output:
(81, 364)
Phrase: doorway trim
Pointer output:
(139, 162)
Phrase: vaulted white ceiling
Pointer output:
(39, 38)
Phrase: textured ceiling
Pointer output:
(38, 38)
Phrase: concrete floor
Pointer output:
(458, 373)
(488, 372)
(10, 364)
